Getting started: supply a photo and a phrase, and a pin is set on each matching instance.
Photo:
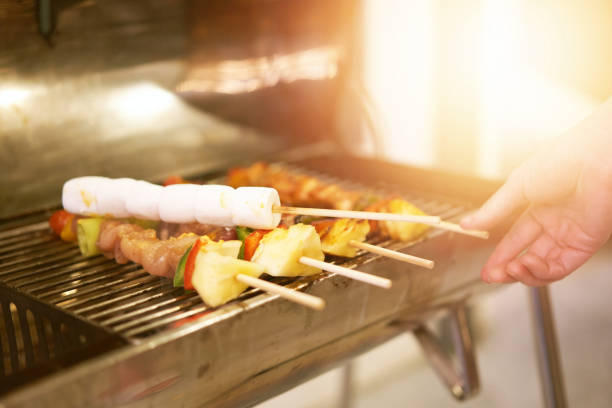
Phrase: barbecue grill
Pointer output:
(152, 88)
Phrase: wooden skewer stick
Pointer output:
(301, 298)
(457, 228)
(363, 215)
(349, 273)
(432, 220)
(415, 260)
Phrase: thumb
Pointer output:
(500, 205)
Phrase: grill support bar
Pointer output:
(462, 381)
(547, 349)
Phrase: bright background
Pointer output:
(476, 85)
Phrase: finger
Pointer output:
(541, 259)
(501, 205)
(524, 231)
(496, 274)
(520, 272)
(540, 269)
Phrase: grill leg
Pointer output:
(547, 351)
(346, 396)
(461, 378)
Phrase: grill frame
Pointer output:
(434, 287)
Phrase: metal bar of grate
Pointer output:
(25, 246)
(60, 254)
(78, 269)
(136, 305)
(160, 304)
(43, 233)
(23, 230)
(12, 338)
(78, 290)
(2, 370)
(79, 283)
(42, 337)
(106, 293)
(161, 323)
(161, 313)
(26, 336)
(157, 287)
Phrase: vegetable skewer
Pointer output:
(343, 237)
(297, 251)
(306, 191)
(425, 263)
(220, 276)
(348, 273)
(136, 244)
(295, 296)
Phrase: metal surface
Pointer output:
(347, 395)
(547, 349)
(462, 378)
(123, 298)
(236, 354)
(147, 88)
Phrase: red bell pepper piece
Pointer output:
(190, 264)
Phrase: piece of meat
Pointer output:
(295, 189)
(307, 191)
(129, 242)
(216, 233)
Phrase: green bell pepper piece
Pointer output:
(179, 275)
(242, 233)
(88, 231)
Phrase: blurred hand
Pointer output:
(565, 192)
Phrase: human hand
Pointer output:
(566, 194)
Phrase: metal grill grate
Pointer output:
(96, 293)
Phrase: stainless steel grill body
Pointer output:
(174, 347)
(149, 88)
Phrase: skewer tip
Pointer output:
(318, 305)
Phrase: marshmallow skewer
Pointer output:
(254, 207)
(432, 220)
(179, 203)
(363, 215)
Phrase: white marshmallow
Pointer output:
(180, 203)
(112, 196)
(252, 207)
(143, 200)
(177, 203)
(213, 205)
(79, 195)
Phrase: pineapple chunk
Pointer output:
(404, 231)
(225, 248)
(214, 277)
(280, 250)
(336, 240)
